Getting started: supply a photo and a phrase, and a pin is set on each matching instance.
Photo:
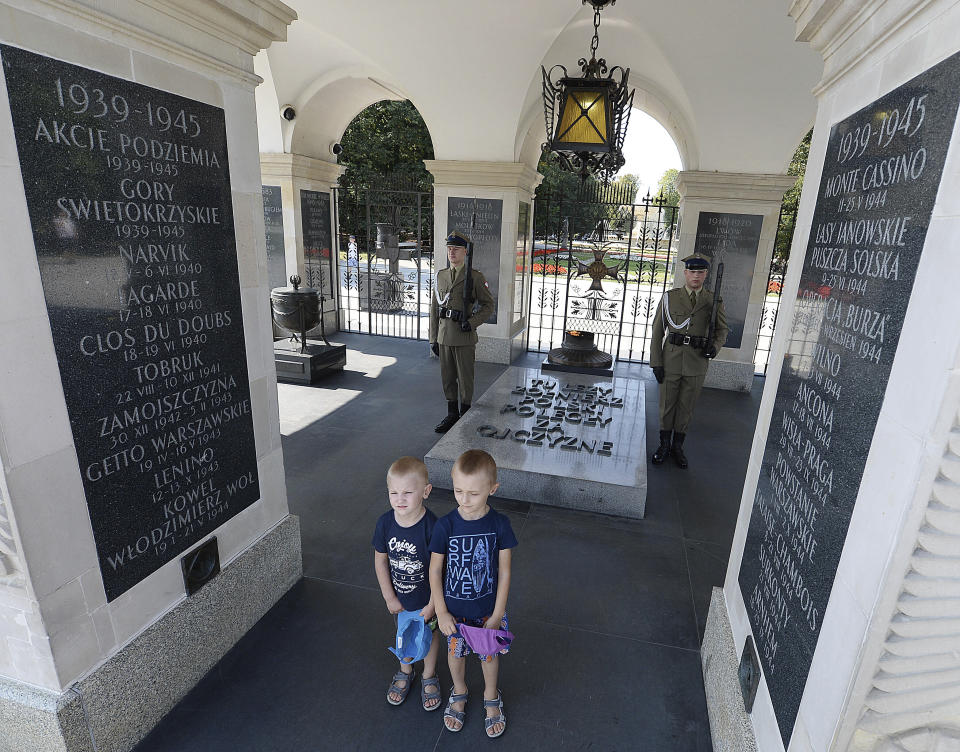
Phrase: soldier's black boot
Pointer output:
(663, 450)
(463, 409)
(677, 451)
(453, 415)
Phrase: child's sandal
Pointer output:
(433, 681)
(454, 715)
(402, 691)
(491, 721)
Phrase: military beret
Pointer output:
(696, 261)
(455, 238)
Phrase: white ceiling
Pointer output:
(726, 79)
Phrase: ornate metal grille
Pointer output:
(603, 225)
(385, 259)
(771, 303)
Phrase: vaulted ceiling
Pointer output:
(726, 79)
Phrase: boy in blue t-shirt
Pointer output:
(401, 560)
(470, 580)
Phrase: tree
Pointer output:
(561, 196)
(667, 187)
(383, 152)
(387, 139)
(788, 211)
(627, 186)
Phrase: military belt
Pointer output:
(450, 313)
(675, 338)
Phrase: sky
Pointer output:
(649, 151)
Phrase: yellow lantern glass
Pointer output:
(584, 118)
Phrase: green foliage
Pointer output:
(387, 139)
(667, 187)
(633, 185)
(559, 197)
(788, 216)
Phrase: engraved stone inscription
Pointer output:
(273, 227)
(317, 256)
(882, 169)
(731, 240)
(559, 416)
(485, 236)
(128, 191)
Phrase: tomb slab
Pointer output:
(567, 440)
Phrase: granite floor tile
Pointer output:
(603, 579)
(707, 563)
(608, 612)
(566, 688)
(311, 675)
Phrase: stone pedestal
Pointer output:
(310, 366)
(844, 563)
(296, 174)
(732, 217)
(504, 193)
(97, 637)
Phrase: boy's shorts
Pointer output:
(457, 646)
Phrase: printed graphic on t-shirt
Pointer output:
(469, 566)
(406, 569)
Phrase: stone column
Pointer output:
(856, 497)
(97, 637)
(502, 190)
(294, 174)
(732, 217)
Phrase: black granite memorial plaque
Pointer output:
(317, 254)
(881, 174)
(273, 226)
(733, 240)
(128, 191)
(485, 236)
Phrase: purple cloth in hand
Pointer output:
(485, 641)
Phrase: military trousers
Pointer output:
(456, 372)
(678, 395)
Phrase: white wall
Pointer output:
(891, 44)
(57, 626)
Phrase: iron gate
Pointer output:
(600, 264)
(385, 260)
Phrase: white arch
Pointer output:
(330, 103)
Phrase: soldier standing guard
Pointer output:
(680, 353)
(453, 333)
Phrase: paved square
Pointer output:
(563, 439)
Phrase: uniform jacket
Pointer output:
(684, 359)
(447, 331)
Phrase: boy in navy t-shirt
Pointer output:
(401, 561)
(470, 580)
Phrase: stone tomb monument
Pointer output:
(138, 399)
(572, 440)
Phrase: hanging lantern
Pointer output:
(586, 118)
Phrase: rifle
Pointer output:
(468, 276)
(715, 308)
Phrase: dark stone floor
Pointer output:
(608, 612)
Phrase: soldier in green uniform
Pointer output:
(680, 353)
(453, 333)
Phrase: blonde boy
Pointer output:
(401, 559)
(470, 580)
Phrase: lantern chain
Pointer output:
(595, 42)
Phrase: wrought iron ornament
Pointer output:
(598, 116)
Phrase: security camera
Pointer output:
(288, 113)
(335, 149)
